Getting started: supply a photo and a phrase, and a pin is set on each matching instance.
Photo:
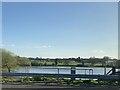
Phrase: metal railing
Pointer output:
(86, 71)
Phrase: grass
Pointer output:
(66, 81)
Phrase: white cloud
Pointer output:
(26, 46)
(42, 46)
(98, 51)
(38, 46)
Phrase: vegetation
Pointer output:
(23, 61)
(61, 81)
(84, 62)
(10, 61)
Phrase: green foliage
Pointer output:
(8, 79)
(75, 82)
(8, 60)
(68, 81)
(94, 82)
(87, 81)
(38, 78)
(23, 61)
(36, 63)
(27, 79)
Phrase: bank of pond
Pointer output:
(59, 81)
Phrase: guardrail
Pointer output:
(73, 74)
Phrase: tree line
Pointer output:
(10, 60)
(79, 61)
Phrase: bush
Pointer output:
(8, 79)
(27, 79)
(75, 82)
(87, 81)
(67, 80)
(38, 79)
(94, 82)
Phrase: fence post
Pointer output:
(113, 70)
(73, 71)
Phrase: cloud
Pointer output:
(38, 46)
(98, 51)
(29, 46)
(42, 46)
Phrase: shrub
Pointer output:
(38, 79)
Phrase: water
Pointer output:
(54, 70)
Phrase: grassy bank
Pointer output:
(60, 81)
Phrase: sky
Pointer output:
(60, 0)
(51, 30)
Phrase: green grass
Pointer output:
(67, 81)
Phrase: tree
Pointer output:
(105, 60)
(23, 61)
(92, 60)
(8, 60)
(78, 58)
(56, 62)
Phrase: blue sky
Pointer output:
(60, 29)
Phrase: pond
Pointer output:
(62, 70)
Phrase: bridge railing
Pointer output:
(75, 70)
